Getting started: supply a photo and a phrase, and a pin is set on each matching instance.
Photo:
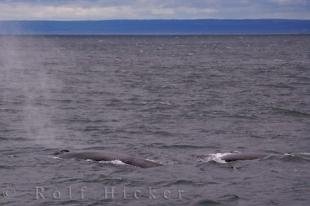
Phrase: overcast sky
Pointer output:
(152, 9)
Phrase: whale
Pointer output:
(107, 156)
(230, 157)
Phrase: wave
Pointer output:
(179, 146)
(290, 112)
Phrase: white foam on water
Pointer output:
(114, 162)
(151, 160)
(298, 153)
(55, 157)
(304, 153)
(215, 157)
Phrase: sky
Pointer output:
(152, 9)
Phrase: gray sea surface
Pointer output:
(166, 98)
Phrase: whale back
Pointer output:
(110, 156)
(139, 162)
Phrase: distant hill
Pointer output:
(157, 27)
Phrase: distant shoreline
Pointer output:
(152, 35)
(158, 27)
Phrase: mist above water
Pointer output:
(27, 84)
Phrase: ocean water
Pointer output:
(171, 99)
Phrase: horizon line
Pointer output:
(157, 19)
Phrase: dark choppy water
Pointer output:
(169, 99)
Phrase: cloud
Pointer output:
(151, 9)
(290, 2)
(84, 10)
(37, 12)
